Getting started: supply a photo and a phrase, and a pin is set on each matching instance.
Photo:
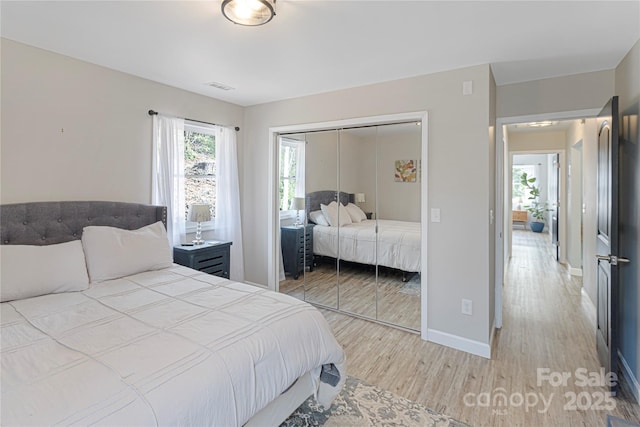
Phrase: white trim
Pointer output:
(574, 271)
(273, 225)
(460, 343)
(591, 304)
(629, 378)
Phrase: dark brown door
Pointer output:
(607, 238)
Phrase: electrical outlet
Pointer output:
(467, 307)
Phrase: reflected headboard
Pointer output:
(314, 199)
(47, 223)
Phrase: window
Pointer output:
(199, 166)
(520, 193)
(288, 166)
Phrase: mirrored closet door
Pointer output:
(358, 229)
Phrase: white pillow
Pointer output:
(356, 214)
(318, 218)
(330, 212)
(113, 252)
(30, 271)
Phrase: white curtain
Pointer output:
(300, 189)
(168, 173)
(300, 184)
(227, 222)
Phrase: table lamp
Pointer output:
(298, 204)
(199, 214)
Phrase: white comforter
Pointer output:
(398, 243)
(167, 347)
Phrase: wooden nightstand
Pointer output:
(210, 257)
(297, 248)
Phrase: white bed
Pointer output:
(168, 346)
(396, 245)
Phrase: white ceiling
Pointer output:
(319, 46)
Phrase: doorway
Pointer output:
(575, 200)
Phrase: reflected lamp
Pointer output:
(298, 204)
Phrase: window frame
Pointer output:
(204, 128)
(293, 145)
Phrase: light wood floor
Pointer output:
(386, 298)
(547, 323)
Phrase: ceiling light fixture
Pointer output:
(249, 12)
(540, 124)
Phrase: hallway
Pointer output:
(548, 323)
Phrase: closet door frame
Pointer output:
(273, 217)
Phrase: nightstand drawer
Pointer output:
(297, 248)
(208, 258)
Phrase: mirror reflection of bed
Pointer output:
(366, 249)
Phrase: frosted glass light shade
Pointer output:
(360, 198)
(199, 213)
(297, 204)
(249, 12)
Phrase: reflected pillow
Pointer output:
(356, 214)
(30, 271)
(336, 214)
(318, 218)
(113, 252)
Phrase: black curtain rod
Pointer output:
(155, 113)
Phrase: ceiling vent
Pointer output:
(219, 86)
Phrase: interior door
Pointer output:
(607, 238)
(555, 204)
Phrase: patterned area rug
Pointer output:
(360, 404)
(412, 287)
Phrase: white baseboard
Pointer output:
(459, 343)
(586, 295)
(574, 271)
(629, 378)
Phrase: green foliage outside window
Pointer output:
(200, 169)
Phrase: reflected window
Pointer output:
(291, 172)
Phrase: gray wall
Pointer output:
(569, 93)
(77, 131)
(457, 124)
(585, 135)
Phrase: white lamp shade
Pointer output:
(360, 198)
(199, 213)
(249, 12)
(298, 203)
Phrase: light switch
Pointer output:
(435, 214)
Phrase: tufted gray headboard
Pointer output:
(47, 223)
(314, 199)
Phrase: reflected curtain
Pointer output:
(168, 174)
(228, 224)
(300, 174)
